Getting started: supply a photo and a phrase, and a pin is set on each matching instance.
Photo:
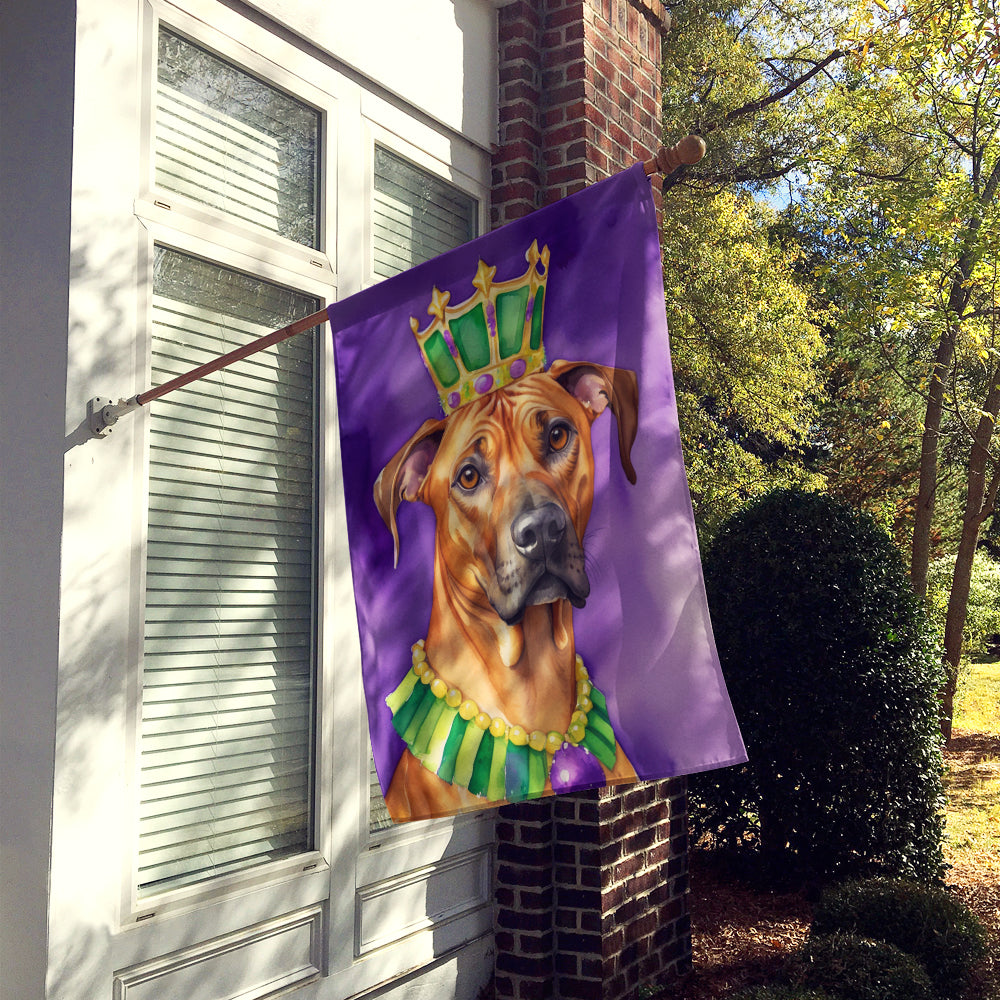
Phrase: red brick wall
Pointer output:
(579, 96)
(591, 889)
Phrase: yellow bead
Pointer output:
(453, 698)
(537, 740)
(419, 655)
(428, 674)
(553, 741)
(517, 736)
(575, 733)
(468, 709)
(584, 704)
(498, 727)
(438, 688)
(583, 689)
(483, 721)
(580, 718)
(581, 670)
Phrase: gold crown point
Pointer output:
(439, 301)
(484, 278)
(533, 255)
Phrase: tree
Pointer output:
(747, 353)
(881, 121)
(913, 185)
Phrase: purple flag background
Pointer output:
(645, 632)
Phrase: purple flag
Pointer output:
(526, 571)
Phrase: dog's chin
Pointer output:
(547, 589)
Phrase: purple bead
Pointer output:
(483, 384)
(518, 368)
(453, 400)
(575, 767)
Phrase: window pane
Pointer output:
(417, 215)
(228, 140)
(228, 658)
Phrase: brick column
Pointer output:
(591, 889)
(579, 96)
(524, 902)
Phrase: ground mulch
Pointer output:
(742, 934)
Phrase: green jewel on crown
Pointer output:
(489, 340)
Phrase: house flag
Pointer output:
(528, 586)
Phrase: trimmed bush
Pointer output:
(925, 922)
(833, 672)
(856, 968)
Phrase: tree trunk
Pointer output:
(979, 503)
(920, 553)
(958, 299)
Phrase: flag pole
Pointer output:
(687, 152)
(103, 413)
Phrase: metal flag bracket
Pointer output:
(103, 413)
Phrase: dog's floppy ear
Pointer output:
(599, 386)
(402, 478)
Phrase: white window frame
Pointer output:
(180, 224)
(349, 868)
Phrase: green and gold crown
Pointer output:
(489, 340)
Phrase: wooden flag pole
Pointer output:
(103, 413)
(687, 152)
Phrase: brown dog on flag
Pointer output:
(498, 706)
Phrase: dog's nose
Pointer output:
(537, 531)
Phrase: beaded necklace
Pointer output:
(492, 758)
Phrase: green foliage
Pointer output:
(856, 968)
(833, 673)
(983, 613)
(746, 354)
(924, 921)
(738, 73)
(744, 340)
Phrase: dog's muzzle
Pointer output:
(549, 562)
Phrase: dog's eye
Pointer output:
(468, 477)
(558, 437)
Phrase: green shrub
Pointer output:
(856, 968)
(833, 673)
(925, 922)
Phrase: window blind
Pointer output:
(228, 652)
(228, 140)
(416, 216)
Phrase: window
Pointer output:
(228, 687)
(416, 215)
(229, 647)
(227, 140)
